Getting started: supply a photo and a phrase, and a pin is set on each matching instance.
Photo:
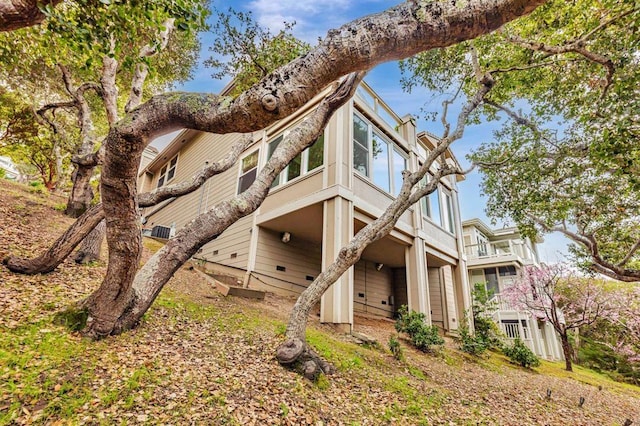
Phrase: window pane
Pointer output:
(506, 271)
(246, 180)
(171, 173)
(316, 153)
(381, 163)
(160, 181)
(360, 131)
(434, 207)
(294, 167)
(360, 159)
(249, 162)
(399, 165)
(163, 171)
(173, 162)
(272, 147)
(448, 214)
(492, 281)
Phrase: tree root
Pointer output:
(296, 355)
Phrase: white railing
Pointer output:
(500, 248)
(379, 107)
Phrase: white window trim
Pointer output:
(240, 173)
(166, 172)
(283, 177)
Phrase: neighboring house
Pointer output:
(332, 190)
(495, 258)
(10, 170)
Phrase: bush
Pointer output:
(413, 323)
(395, 348)
(37, 187)
(472, 344)
(519, 353)
(3, 174)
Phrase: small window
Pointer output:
(448, 221)
(248, 171)
(168, 172)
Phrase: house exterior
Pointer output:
(495, 258)
(332, 190)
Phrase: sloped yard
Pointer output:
(200, 358)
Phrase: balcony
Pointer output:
(497, 252)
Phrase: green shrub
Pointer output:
(413, 323)
(3, 174)
(474, 344)
(486, 329)
(395, 348)
(37, 187)
(519, 353)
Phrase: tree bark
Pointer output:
(81, 192)
(90, 249)
(50, 259)
(15, 14)
(567, 350)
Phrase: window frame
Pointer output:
(374, 132)
(283, 177)
(165, 170)
(253, 169)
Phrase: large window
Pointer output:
(308, 160)
(248, 171)
(168, 172)
(441, 215)
(376, 157)
(431, 203)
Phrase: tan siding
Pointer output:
(191, 159)
(376, 285)
(300, 258)
(435, 296)
(293, 191)
(452, 311)
(234, 241)
(400, 285)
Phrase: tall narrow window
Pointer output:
(434, 207)
(316, 154)
(380, 167)
(248, 171)
(360, 145)
(399, 164)
(272, 147)
(448, 222)
(377, 157)
(168, 172)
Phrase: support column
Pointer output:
(336, 305)
(417, 284)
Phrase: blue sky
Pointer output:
(313, 19)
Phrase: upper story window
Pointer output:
(168, 172)
(376, 157)
(248, 171)
(438, 206)
(448, 221)
(308, 160)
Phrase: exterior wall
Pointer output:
(301, 260)
(374, 290)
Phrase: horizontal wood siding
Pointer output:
(452, 311)
(232, 247)
(435, 296)
(376, 286)
(400, 287)
(299, 258)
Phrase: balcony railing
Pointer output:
(496, 249)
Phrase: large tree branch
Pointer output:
(15, 14)
(573, 47)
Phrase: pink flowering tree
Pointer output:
(627, 321)
(568, 301)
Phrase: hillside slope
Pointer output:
(200, 358)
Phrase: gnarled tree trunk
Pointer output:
(90, 249)
(81, 192)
